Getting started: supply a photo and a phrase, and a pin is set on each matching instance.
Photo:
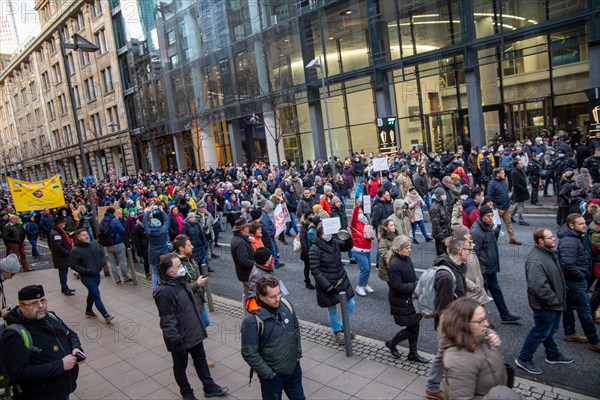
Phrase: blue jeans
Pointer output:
(34, 249)
(363, 259)
(577, 300)
(545, 325)
(491, 285)
(154, 269)
(275, 253)
(90, 232)
(334, 320)
(206, 258)
(293, 224)
(427, 200)
(421, 225)
(204, 315)
(92, 283)
(290, 384)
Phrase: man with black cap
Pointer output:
(486, 249)
(242, 253)
(47, 367)
(60, 244)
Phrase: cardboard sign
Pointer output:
(331, 225)
(380, 164)
(282, 217)
(366, 203)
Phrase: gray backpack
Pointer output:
(424, 294)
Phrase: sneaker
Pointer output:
(528, 366)
(339, 338)
(108, 318)
(217, 391)
(148, 277)
(430, 394)
(91, 315)
(511, 319)
(369, 289)
(353, 262)
(210, 363)
(189, 397)
(415, 241)
(523, 223)
(128, 280)
(280, 265)
(594, 347)
(118, 282)
(429, 239)
(310, 286)
(360, 290)
(561, 359)
(213, 255)
(577, 338)
(68, 292)
(209, 269)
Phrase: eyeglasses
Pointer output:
(480, 321)
(467, 249)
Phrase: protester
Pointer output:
(361, 251)
(14, 235)
(60, 244)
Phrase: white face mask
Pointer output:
(326, 237)
(180, 272)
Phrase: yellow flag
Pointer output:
(32, 196)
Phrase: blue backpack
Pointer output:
(506, 161)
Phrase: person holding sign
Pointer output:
(362, 249)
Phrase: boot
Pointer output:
(412, 351)
(400, 336)
(393, 349)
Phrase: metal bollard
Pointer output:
(131, 266)
(346, 323)
(209, 299)
(106, 268)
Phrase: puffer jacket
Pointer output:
(158, 243)
(385, 240)
(39, 373)
(486, 247)
(401, 218)
(574, 260)
(470, 212)
(179, 318)
(87, 259)
(403, 281)
(196, 234)
(381, 210)
(545, 281)
(440, 220)
(471, 375)
(326, 267)
(279, 348)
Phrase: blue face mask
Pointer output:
(443, 198)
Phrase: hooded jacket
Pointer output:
(87, 259)
(326, 266)
(470, 212)
(158, 243)
(385, 239)
(545, 282)
(381, 210)
(574, 260)
(40, 374)
(401, 218)
(358, 227)
(486, 247)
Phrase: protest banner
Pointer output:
(282, 217)
(34, 196)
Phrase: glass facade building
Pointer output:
(228, 81)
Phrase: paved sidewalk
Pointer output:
(128, 359)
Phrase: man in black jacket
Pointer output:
(60, 244)
(242, 253)
(87, 259)
(182, 327)
(383, 207)
(49, 372)
(576, 265)
(520, 192)
(546, 292)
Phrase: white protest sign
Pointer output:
(331, 225)
(380, 164)
(366, 203)
(282, 217)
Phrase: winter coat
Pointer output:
(13, 233)
(116, 228)
(381, 210)
(305, 205)
(327, 268)
(546, 289)
(193, 272)
(373, 186)
(339, 212)
(440, 220)
(158, 243)
(415, 205)
(31, 230)
(358, 227)
(519, 182)
(175, 225)
(258, 271)
(498, 191)
(291, 202)
(87, 259)
(243, 255)
(349, 175)
(486, 247)
(442, 283)
(279, 348)
(39, 373)
(384, 241)
(574, 260)
(474, 280)
(402, 282)
(196, 234)
(141, 239)
(471, 375)
(46, 222)
(180, 321)
(401, 218)
(304, 242)
(470, 212)
(60, 249)
(421, 184)
(472, 164)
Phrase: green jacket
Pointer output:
(278, 348)
(193, 273)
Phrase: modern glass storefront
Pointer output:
(452, 72)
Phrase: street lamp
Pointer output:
(83, 45)
(316, 63)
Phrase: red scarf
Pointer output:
(65, 235)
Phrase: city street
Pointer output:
(371, 316)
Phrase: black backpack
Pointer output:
(105, 236)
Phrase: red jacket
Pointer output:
(325, 204)
(373, 186)
(357, 229)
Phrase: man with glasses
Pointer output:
(486, 248)
(547, 295)
(46, 367)
(183, 330)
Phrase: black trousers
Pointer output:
(440, 247)
(410, 332)
(535, 190)
(180, 362)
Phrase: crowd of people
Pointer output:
(171, 222)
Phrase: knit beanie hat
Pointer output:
(484, 210)
(262, 255)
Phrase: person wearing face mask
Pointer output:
(486, 168)
(440, 220)
(182, 327)
(592, 163)
(470, 207)
(534, 169)
(361, 250)
(330, 277)
(358, 166)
